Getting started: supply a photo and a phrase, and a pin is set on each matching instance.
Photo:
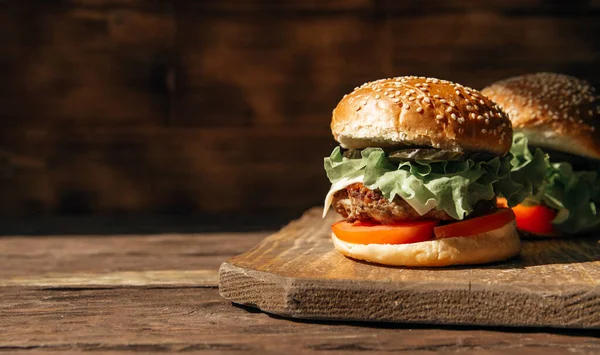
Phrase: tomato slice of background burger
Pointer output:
(534, 219)
(371, 233)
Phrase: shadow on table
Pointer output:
(387, 325)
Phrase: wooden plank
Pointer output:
(95, 65)
(513, 36)
(284, 70)
(477, 48)
(164, 170)
(294, 6)
(155, 278)
(104, 259)
(408, 8)
(264, 70)
(127, 320)
(512, 6)
(297, 273)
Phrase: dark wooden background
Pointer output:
(220, 107)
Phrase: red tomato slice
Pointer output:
(475, 225)
(535, 219)
(371, 233)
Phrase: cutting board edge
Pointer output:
(285, 296)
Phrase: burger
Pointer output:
(559, 115)
(417, 172)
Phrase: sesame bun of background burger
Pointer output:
(416, 176)
(560, 115)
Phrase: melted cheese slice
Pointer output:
(337, 186)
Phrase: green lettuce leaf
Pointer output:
(574, 194)
(452, 186)
(528, 169)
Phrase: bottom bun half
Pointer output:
(495, 245)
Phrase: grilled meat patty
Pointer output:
(359, 203)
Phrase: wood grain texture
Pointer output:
(297, 273)
(197, 320)
(111, 106)
(124, 294)
(84, 66)
(158, 278)
(175, 170)
(88, 259)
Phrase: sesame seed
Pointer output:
(453, 116)
(439, 117)
(436, 96)
(482, 102)
(469, 107)
(452, 103)
(419, 109)
(476, 108)
(395, 99)
(461, 120)
(480, 117)
(377, 97)
(483, 130)
(443, 101)
(472, 115)
(487, 121)
(364, 102)
(449, 109)
(458, 93)
(411, 98)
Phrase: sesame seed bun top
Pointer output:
(555, 111)
(419, 111)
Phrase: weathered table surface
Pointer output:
(124, 293)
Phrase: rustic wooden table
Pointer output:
(124, 293)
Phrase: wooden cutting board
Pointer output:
(297, 273)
